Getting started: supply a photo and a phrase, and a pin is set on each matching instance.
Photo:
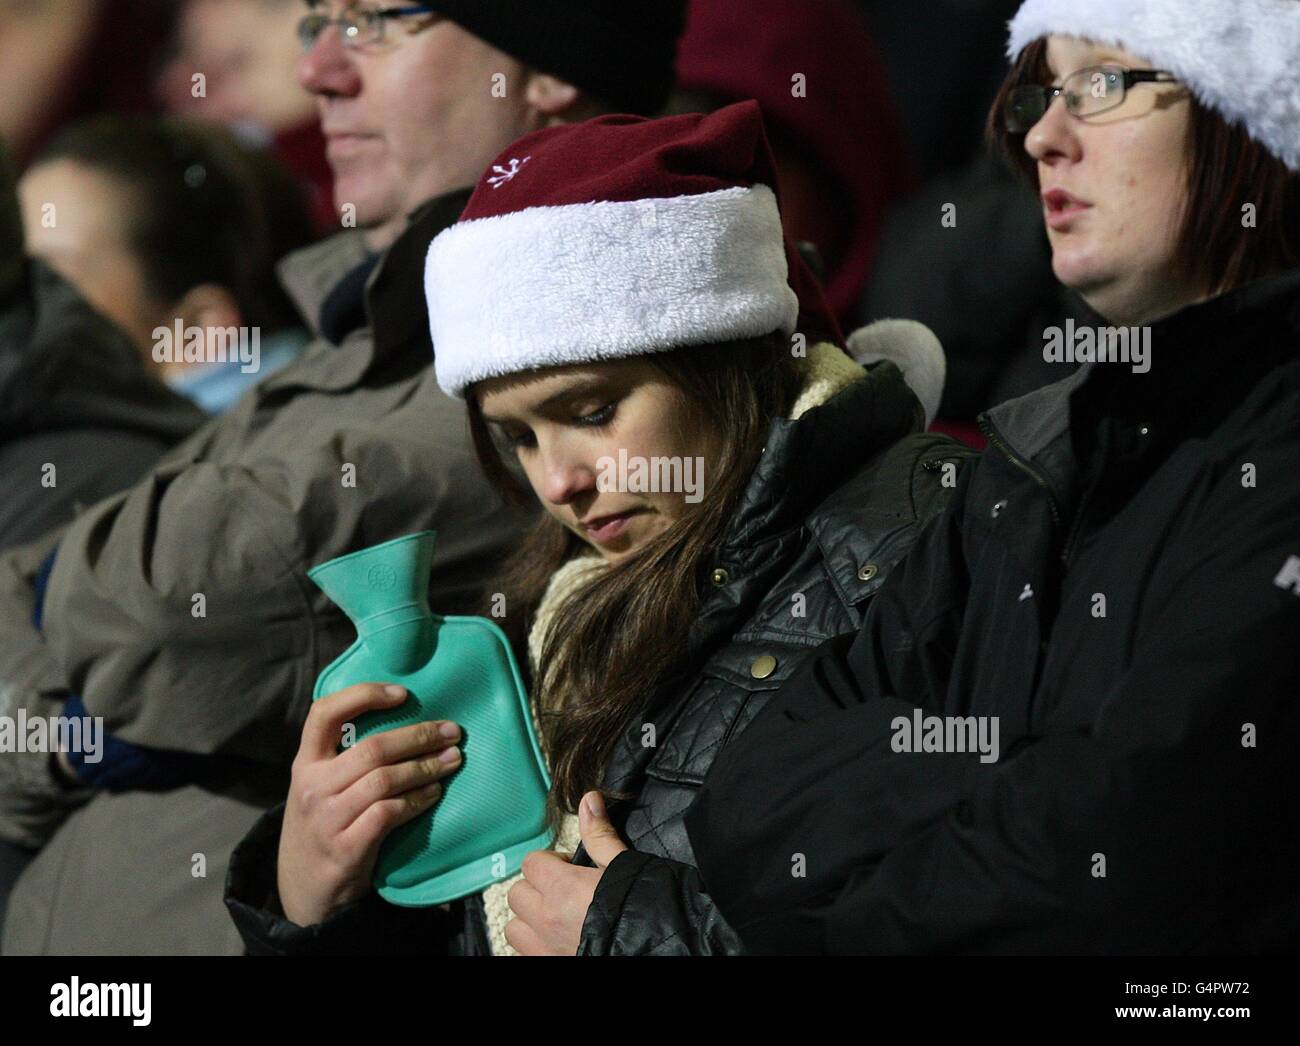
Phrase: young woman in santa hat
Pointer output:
(618, 295)
(1115, 590)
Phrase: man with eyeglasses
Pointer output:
(415, 99)
(350, 446)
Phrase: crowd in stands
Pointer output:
(968, 334)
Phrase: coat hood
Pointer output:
(808, 458)
(62, 365)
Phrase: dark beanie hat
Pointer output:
(622, 52)
(11, 228)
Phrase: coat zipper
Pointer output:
(995, 438)
(1075, 528)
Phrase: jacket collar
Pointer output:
(1203, 359)
(395, 298)
(399, 330)
(803, 463)
(62, 364)
(309, 275)
(804, 460)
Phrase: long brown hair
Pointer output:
(1226, 170)
(612, 645)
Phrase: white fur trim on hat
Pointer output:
(553, 286)
(1239, 57)
(917, 351)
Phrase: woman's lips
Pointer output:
(345, 144)
(1061, 209)
(608, 528)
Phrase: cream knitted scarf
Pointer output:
(825, 371)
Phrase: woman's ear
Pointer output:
(552, 98)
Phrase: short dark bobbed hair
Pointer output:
(202, 208)
(1227, 169)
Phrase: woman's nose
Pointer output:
(565, 477)
(327, 68)
(1055, 136)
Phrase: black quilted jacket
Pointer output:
(835, 501)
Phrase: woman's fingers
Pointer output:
(525, 900)
(388, 748)
(392, 781)
(351, 800)
(524, 939)
(341, 806)
(379, 818)
(325, 719)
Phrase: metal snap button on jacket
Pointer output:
(997, 509)
(763, 666)
(867, 571)
(720, 576)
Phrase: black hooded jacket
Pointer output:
(80, 416)
(1117, 585)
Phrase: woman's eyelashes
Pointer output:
(526, 439)
(598, 418)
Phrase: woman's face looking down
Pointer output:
(614, 451)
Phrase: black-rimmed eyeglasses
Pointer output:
(1096, 89)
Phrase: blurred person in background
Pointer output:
(944, 66)
(80, 416)
(816, 72)
(351, 445)
(159, 224)
(234, 63)
(965, 253)
(61, 60)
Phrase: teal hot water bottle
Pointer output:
(493, 810)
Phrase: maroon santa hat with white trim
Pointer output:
(615, 238)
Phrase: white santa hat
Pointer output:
(1241, 58)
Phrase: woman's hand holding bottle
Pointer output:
(342, 805)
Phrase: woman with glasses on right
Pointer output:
(1070, 721)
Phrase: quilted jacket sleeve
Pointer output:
(647, 905)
